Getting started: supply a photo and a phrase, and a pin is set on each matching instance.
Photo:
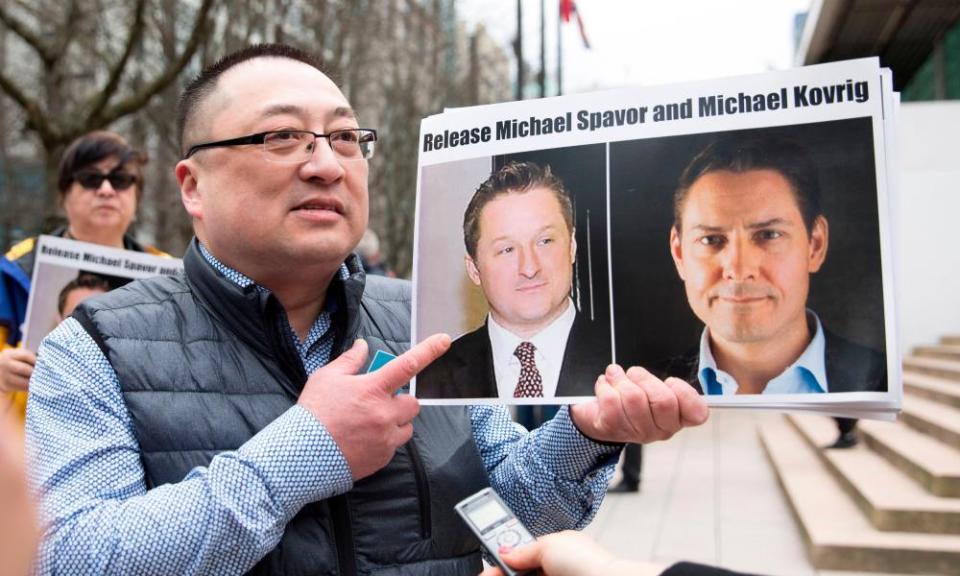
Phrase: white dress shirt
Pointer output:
(550, 344)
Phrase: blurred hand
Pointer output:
(18, 524)
(570, 554)
(638, 407)
(16, 367)
(367, 421)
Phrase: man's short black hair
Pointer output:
(742, 153)
(206, 82)
(93, 147)
(514, 177)
(84, 280)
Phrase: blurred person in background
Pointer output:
(371, 258)
(100, 181)
(630, 470)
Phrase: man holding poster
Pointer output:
(748, 232)
(520, 250)
(99, 184)
(226, 420)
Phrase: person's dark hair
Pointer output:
(206, 82)
(84, 280)
(93, 147)
(514, 177)
(742, 153)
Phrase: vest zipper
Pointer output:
(343, 536)
(423, 490)
(291, 363)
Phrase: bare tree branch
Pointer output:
(100, 61)
(69, 27)
(170, 74)
(136, 30)
(32, 8)
(35, 116)
(45, 52)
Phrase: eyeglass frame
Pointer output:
(260, 138)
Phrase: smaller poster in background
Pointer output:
(68, 272)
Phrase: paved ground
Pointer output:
(707, 495)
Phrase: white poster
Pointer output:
(67, 272)
(733, 233)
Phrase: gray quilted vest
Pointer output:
(204, 365)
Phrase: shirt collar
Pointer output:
(320, 325)
(811, 362)
(504, 342)
(550, 344)
(244, 281)
(227, 272)
(813, 359)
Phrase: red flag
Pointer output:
(568, 8)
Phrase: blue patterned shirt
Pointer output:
(221, 519)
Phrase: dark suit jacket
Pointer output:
(466, 370)
(850, 367)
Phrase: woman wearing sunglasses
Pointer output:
(100, 182)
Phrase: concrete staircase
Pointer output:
(892, 503)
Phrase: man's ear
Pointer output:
(186, 172)
(573, 246)
(472, 270)
(676, 250)
(819, 242)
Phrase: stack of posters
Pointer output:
(67, 272)
(733, 233)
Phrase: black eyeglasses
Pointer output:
(93, 180)
(296, 146)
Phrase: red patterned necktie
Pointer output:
(530, 384)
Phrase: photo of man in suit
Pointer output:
(748, 232)
(520, 251)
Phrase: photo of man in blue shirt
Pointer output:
(748, 233)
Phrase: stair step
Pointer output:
(890, 498)
(933, 388)
(933, 367)
(953, 340)
(838, 536)
(933, 418)
(945, 351)
(933, 464)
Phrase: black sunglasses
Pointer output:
(93, 180)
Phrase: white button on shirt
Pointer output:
(550, 343)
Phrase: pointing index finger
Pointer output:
(401, 369)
